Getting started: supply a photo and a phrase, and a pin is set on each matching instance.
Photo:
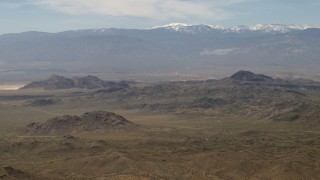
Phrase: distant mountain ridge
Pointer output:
(171, 48)
(55, 82)
(205, 28)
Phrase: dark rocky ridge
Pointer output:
(43, 102)
(89, 82)
(249, 76)
(96, 121)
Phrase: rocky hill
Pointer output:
(89, 82)
(249, 76)
(96, 121)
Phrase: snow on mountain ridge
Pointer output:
(238, 28)
(174, 26)
(269, 28)
(187, 28)
(278, 27)
(202, 28)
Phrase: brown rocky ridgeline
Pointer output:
(96, 121)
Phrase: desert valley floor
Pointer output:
(247, 126)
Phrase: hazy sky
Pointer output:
(60, 15)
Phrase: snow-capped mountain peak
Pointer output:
(172, 26)
(189, 28)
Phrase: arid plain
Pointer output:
(246, 126)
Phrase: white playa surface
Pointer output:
(11, 87)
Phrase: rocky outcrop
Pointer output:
(8, 172)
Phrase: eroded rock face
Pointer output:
(90, 121)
